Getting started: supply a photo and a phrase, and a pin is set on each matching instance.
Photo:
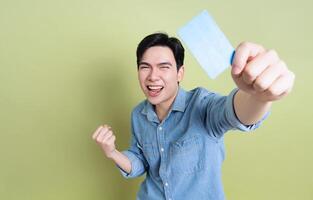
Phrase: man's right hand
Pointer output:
(106, 139)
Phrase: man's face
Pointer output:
(158, 75)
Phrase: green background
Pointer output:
(68, 66)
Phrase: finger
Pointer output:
(111, 139)
(268, 97)
(244, 52)
(268, 76)
(280, 86)
(258, 64)
(102, 134)
(107, 135)
(95, 134)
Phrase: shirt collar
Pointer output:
(178, 105)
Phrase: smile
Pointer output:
(154, 90)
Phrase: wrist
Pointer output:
(112, 154)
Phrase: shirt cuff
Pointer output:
(135, 165)
(233, 119)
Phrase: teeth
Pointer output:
(154, 87)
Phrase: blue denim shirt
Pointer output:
(182, 155)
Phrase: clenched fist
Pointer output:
(106, 139)
(261, 72)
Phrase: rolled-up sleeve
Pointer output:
(233, 119)
(138, 164)
(219, 116)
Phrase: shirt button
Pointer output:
(162, 149)
(166, 184)
(160, 128)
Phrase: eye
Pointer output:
(165, 67)
(143, 67)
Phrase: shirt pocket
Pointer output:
(185, 155)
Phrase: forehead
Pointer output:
(158, 54)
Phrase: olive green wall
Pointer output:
(68, 66)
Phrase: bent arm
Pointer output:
(121, 160)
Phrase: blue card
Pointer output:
(207, 43)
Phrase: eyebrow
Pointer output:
(144, 63)
(165, 63)
(161, 63)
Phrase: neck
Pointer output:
(162, 109)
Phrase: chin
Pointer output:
(154, 101)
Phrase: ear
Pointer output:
(180, 73)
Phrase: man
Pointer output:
(177, 136)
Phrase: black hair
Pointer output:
(161, 39)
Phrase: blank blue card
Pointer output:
(207, 43)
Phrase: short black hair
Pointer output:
(162, 39)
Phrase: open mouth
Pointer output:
(154, 90)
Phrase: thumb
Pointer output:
(245, 52)
(236, 65)
(236, 70)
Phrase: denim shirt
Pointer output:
(182, 155)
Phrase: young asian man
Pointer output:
(178, 135)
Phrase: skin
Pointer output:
(158, 68)
(261, 76)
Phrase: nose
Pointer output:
(153, 75)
